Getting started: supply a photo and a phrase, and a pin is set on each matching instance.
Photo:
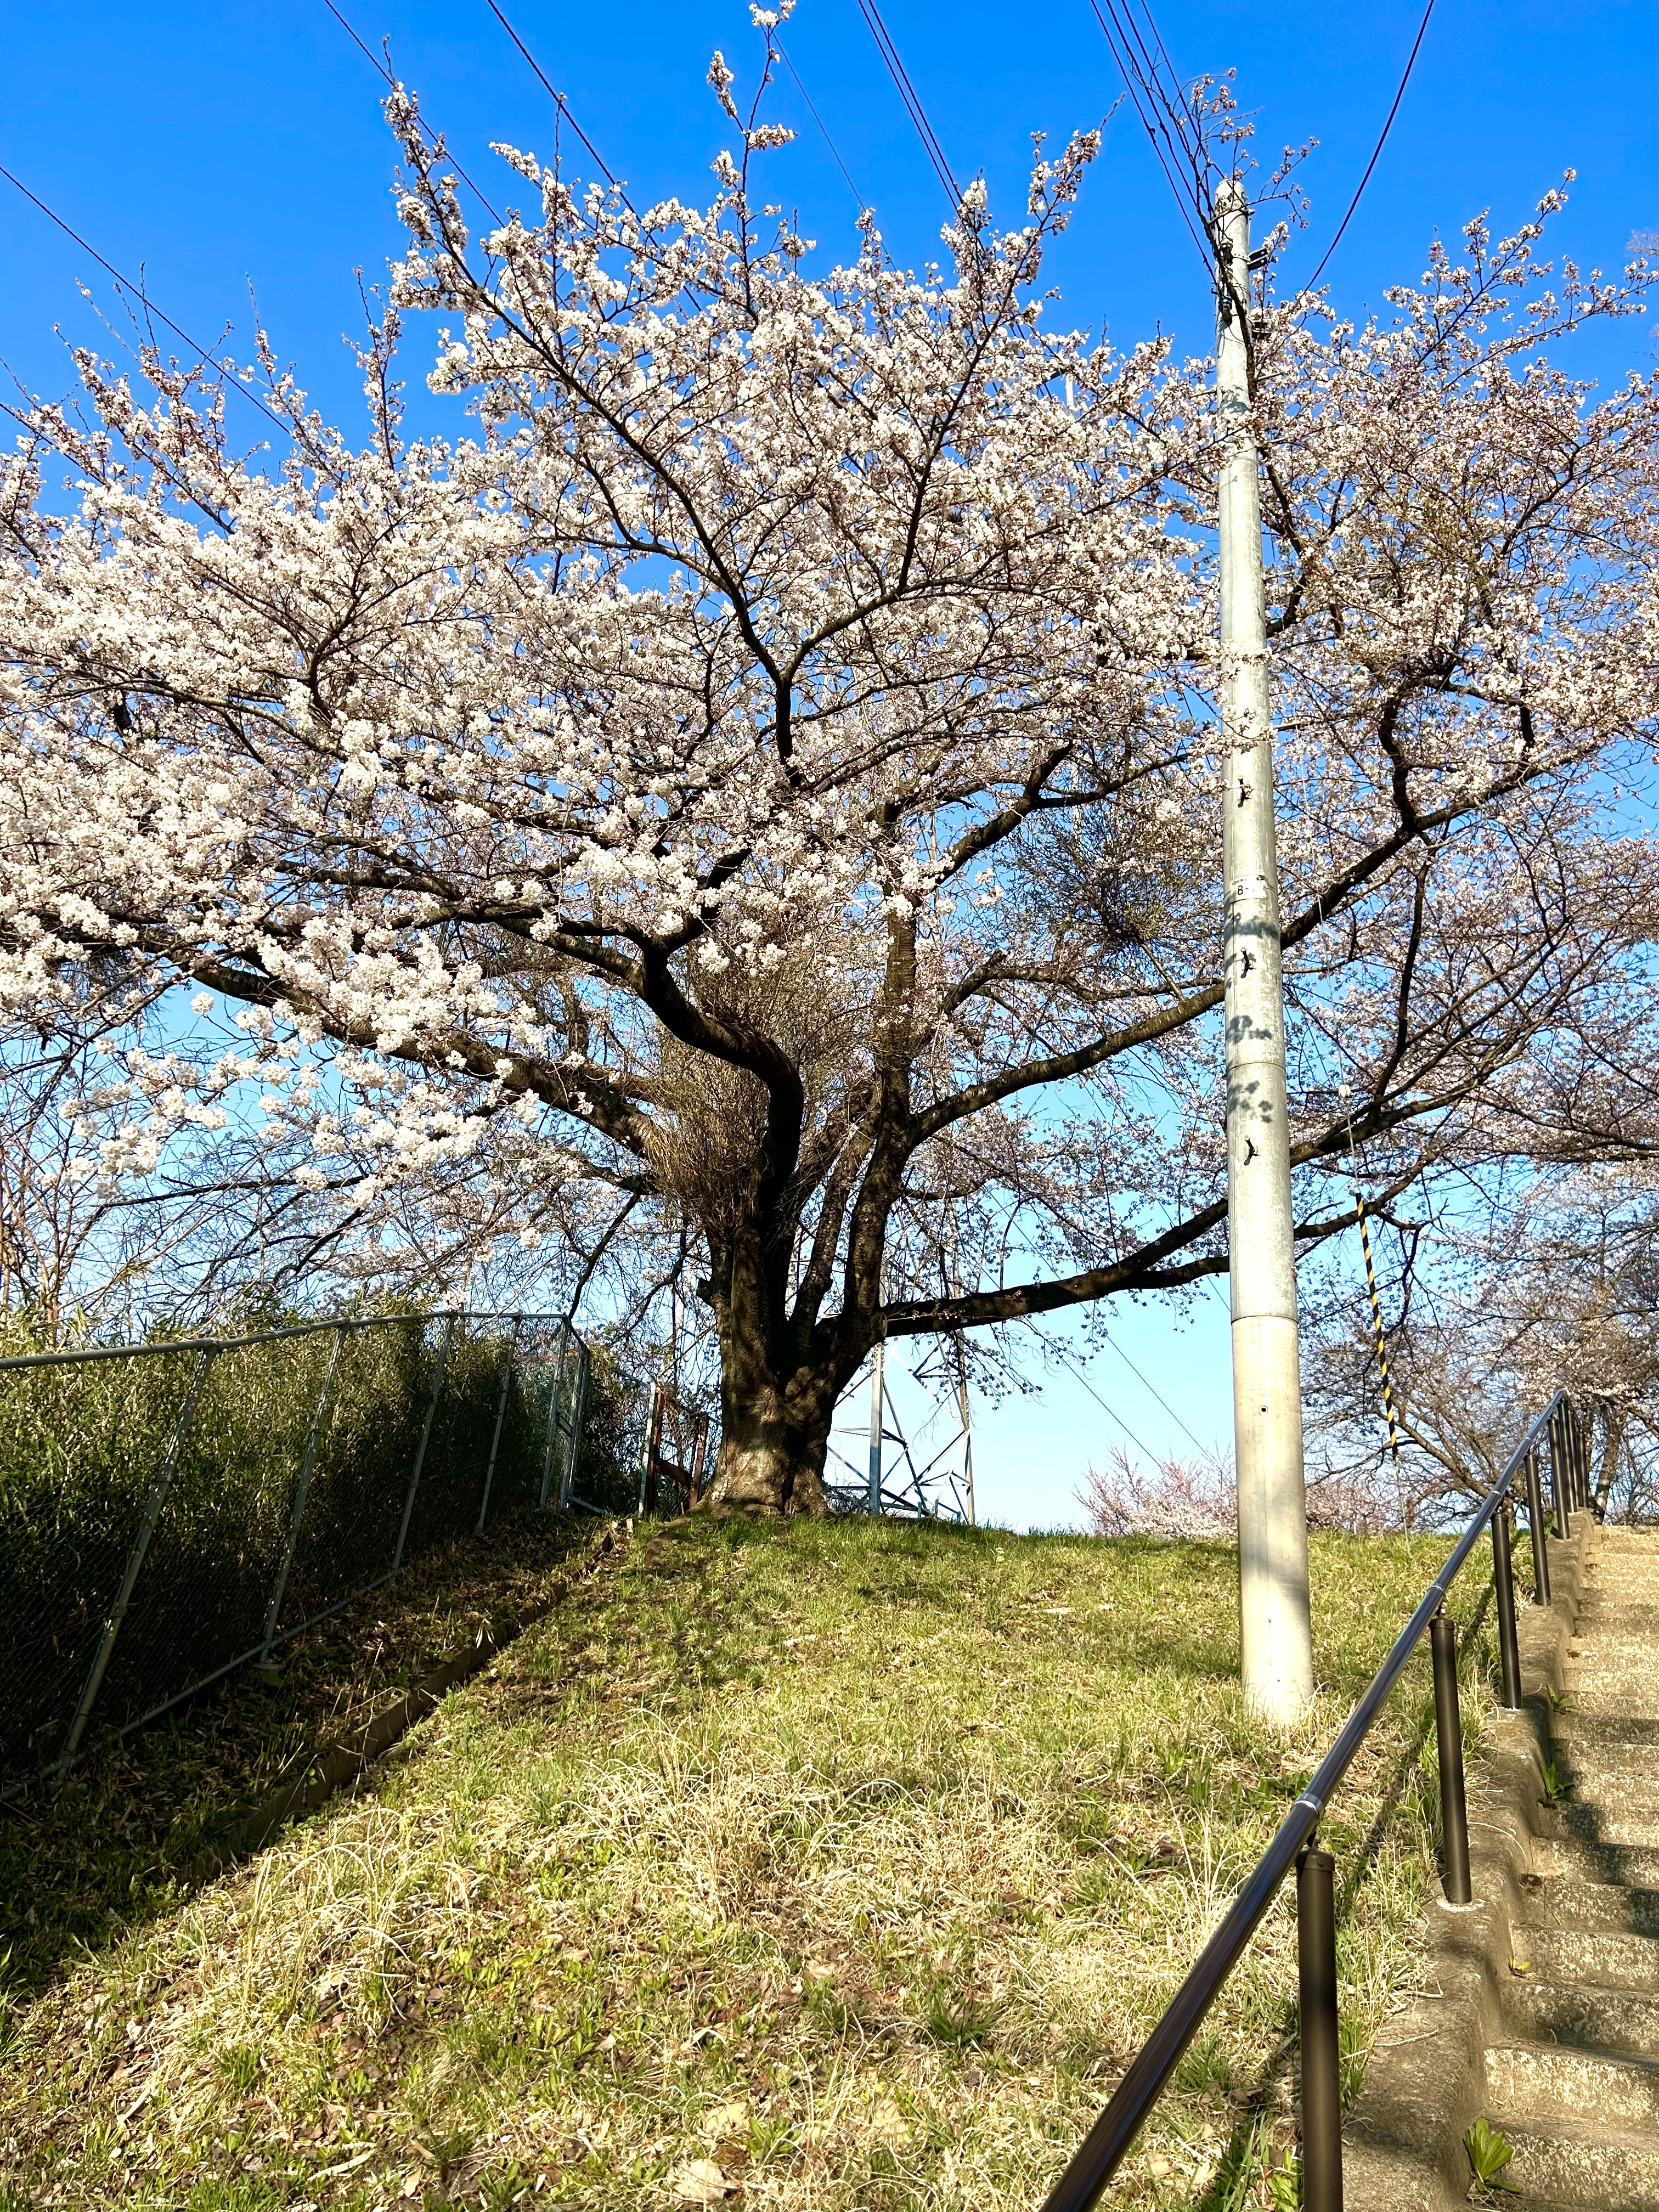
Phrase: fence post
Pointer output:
(1321, 2081)
(573, 1437)
(1449, 1743)
(554, 1394)
(1508, 1649)
(425, 1438)
(648, 1450)
(320, 1416)
(1540, 1542)
(134, 1561)
(501, 1415)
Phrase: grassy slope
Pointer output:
(116, 1847)
(833, 1865)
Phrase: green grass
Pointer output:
(835, 1865)
(118, 1845)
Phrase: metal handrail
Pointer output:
(1102, 2149)
(154, 1347)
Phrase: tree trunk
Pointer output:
(774, 1436)
(768, 1462)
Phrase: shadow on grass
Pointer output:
(120, 1842)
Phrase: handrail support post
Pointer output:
(1321, 2071)
(1540, 1542)
(1560, 1479)
(1508, 1648)
(1449, 1743)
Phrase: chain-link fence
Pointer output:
(170, 1512)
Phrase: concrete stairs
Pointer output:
(1571, 2060)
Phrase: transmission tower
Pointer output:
(901, 1442)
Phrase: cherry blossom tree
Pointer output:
(1543, 1281)
(756, 793)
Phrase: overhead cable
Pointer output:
(1405, 79)
(912, 99)
(558, 99)
(1113, 1345)
(1156, 74)
(1161, 112)
(835, 150)
(382, 68)
(137, 292)
(1112, 1410)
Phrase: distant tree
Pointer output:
(1195, 1495)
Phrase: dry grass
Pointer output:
(825, 1867)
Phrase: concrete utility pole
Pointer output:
(1275, 1632)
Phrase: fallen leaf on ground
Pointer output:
(887, 2122)
(700, 2181)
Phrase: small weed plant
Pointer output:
(1557, 1788)
(1489, 2154)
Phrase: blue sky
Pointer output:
(224, 145)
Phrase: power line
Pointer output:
(382, 68)
(908, 94)
(369, 55)
(1157, 74)
(1114, 1345)
(233, 382)
(858, 196)
(1105, 1409)
(1155, 103)
(558, 99)
(1410, 60)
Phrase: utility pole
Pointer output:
(1276, 1639)
(877, 1426)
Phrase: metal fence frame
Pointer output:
(563, 1428)
(554, 1473)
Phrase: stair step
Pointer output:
(1603, 1959)
(1615, 1735)
(1611, 1690)
(1579, 2162)
(1599, 1672)
(1631, 1826)
(1572, 2077)
(1585, 2015)
(1625, 1865)
(1619, 1764)
(1556, 2081)
(1633, 1788)
(1554, 1902)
